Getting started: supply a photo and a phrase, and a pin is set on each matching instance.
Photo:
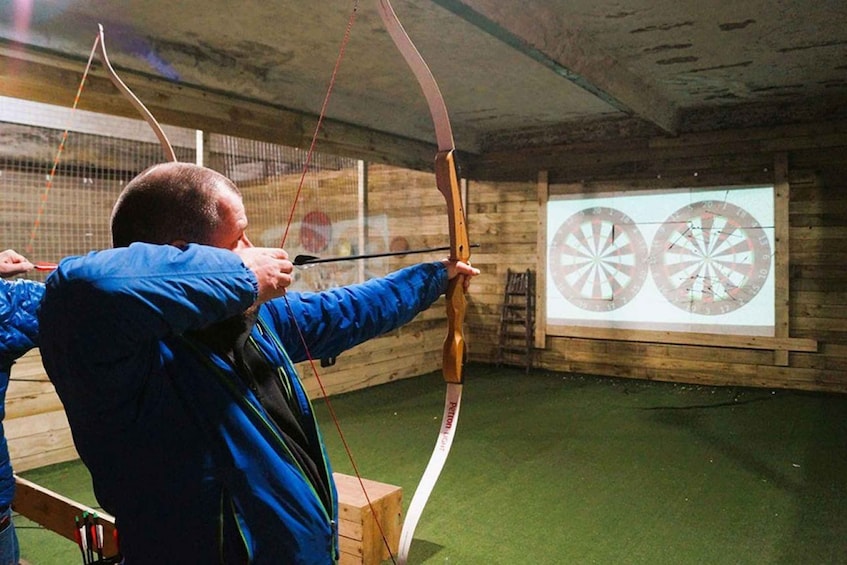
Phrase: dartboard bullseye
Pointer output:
(598, 259)
(710, 257)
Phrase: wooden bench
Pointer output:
(58, 513)
(359, 536)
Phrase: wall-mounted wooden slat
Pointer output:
(543, 190)
(686, 338)
(782, 254)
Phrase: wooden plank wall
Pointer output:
(503, 219)
(36, 427)
(415, 212)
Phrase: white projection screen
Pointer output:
(687, 260)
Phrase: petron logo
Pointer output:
(448, 422)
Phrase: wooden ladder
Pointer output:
(517, 320)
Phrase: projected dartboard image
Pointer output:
(598, 259)
(710, 257)
(678, 259)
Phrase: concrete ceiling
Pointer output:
(514, 74)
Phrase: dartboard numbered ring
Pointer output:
(710, 257)
(598, 259)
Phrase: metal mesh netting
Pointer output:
(329, 218)
(58, 190)
(49, 216)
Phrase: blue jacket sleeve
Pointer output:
(19, 300)
(122, 297)
(338, 319)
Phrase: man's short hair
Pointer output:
(169, 202)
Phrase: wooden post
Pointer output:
(541, 263)
(781, 254)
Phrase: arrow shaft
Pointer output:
(300, 260)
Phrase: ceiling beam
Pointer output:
(45, 76)
(547, 39)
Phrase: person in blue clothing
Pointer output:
(173, 354)
(19, 300)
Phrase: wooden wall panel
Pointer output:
(36, 427)
(503, 221)
(817, 248)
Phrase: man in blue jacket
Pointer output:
(18, 334)
(174, 354)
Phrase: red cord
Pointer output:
(306, 166)
(51, 176)
(321, 117)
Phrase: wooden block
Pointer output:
(360, 539)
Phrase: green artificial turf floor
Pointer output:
(552, 468)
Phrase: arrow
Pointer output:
(300, 260)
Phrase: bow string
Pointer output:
(311, 361)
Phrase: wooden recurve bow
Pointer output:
(447, 181)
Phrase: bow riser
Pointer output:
(454, 343)
(447, 181)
